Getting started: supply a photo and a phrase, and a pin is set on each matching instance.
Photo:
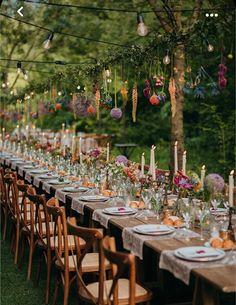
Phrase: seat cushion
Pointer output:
(141, 294)
(71, 242)
(90, 263)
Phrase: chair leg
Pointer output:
(31, 251)
(66, 288)
(17, 237)
(49, 266)
(38, 268)
(12, 237)
(5, 224)
(22, 250)
(56, 289)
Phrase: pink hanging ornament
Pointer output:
(222, 81)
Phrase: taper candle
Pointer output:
(176, 157)
(231, 188)
(142, 164)
(203, 172)
(184, 162)
(108, 152)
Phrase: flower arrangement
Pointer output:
(214, 183)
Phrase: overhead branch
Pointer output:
(196, 11)
(163, 20)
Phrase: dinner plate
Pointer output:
(16, 159)
(94, 198)
(75, 189)
(153, 229)
(56, 181)
(199, 254)
(39, 171)
(28, 166)
(49, 176)
(218, 211)
(120, 211)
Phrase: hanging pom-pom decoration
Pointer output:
(172, 91)
(74, 104)
(147, 89)
(154, 100)
(124, 93)
(134, 101)
(91, 110)
(97, 101)
(116, 113)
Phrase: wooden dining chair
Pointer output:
(117, 290)
(12, 199)
(65, 259)
(3, 202)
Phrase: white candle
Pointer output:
(3, 133)
(108, 152)
(43, 136)
(184, 162)
(231, 188)
(176, 157)
(73, 146)
(80, 146)
(27, 132)
(203, 172)
(80, 158)
(153, 164)
(63, 127)
(151, 161)
(142, 164)
(18, 132)
(34, 131)
(55, 142)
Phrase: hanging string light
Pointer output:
(18, 67)
(142, 29)
(166, 59)
(48, 42)
(210, 47)
(25, 74)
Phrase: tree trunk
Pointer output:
(177, 128)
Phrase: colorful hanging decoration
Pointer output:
(222, 81)
(116, 113)
(74, 104)
(159, 81)
(172, 91)
(154, 99)
(97, 102)
(58, 106)
(81, 104)
(91, 110)
(54, 93)
(124, 93)
(134, 101)
(147, 89)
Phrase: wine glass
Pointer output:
(201, 214)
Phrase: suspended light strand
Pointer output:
(66, 34)
(57, 62)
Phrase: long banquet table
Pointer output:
(209, 282)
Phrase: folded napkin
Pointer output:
(198, 252)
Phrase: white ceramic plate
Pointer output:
(74, 189)
(94, 198)
(56, 181)
(49, 176)
(153, 229)
(199, 254)
(218, 211)
(28, 167)
(39, 171)
(120, 211)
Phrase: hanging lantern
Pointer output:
(134, 101)
(154, 99)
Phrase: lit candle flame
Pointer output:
(176, 143)
(203, 167)
(232, 173)
(185, 152)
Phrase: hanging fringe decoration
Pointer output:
(172, 91)
(134, 101)
(97, 101)
(54, 93)
(124, 93)
(74, 104)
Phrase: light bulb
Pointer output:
(4, 85)
(166, 60)
(107, 72)
(18, 67)
(48, 42)
(142, 29)
(25, 74)
(59, 93)
(210, 47)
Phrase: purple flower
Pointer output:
(95, 153)
(121, 160)
(214, 183)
